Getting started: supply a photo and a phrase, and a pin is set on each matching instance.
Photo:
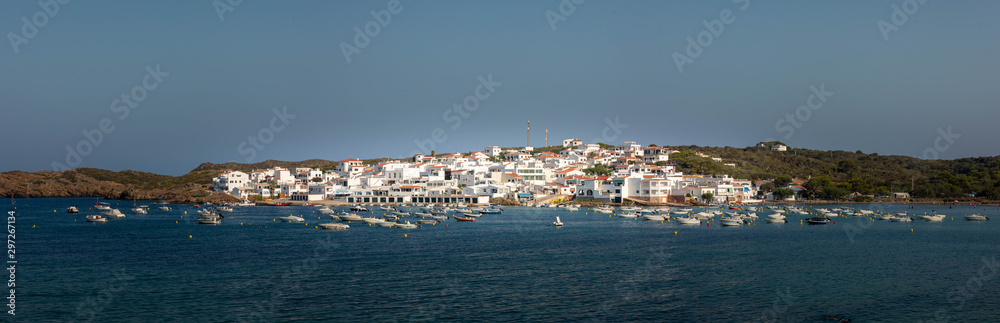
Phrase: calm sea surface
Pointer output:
(164, 267)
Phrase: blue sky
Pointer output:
(221, 79)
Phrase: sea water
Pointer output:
(514, 266)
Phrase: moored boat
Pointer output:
(464, 219)
(688, 220)
(818, 220)
(291, 218)
(558, 223)
(976, 217)
(72, 209)
(96, 218)
(334, 226)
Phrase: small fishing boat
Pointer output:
(558, 223)
(427, 221)
(292, 218)
(464, 219)
(334, 226)
(688, 220)
(350, 217)
(604, 209)
(976, 217)
(818, 220)
(372, 220)
(359, 208)
(281, 204)
(205, 212)
(731, 222)
(72, 209)
(210, 219)
(653, 217)
(472, 215)
(900, 219)
(142, 209)
(627, 215)
(165, 208)
(96, 218)
(224, 209)
(492, 210)
(103, 206)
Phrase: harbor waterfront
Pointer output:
(513, 266)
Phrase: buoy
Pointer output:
(189, 236)
(259, 228)
(445, 226)
(675, 232)
(185, 212)
(241, 223)
(175, 221)
(53, 211)
(404, 235)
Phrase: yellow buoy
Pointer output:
(189, 236)
(53, 211)
(404, 235)
(911, 230)
(675, 232)
(175, 221)
(241, 223)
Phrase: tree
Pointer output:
(783, 193)
(707, 197)
(433, 153)
(782, 181)
(767, 187)
(598, 169)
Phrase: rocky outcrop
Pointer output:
(72, 183)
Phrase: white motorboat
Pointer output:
(385, 224)
(776, 220)
(653, 217)
(422, 214)
(681, 211)
(884, 216)
(96, 218)
(405, 225)
(205, 212)
(72, 209)
(359, 208)
(292, 218)
(165, 208)
(571, 208)
(224, 209)
(776, 216)
(472, 215)
(688, 220)
(932, 217)
(627, 215)
(114, 214)
(558, 223)
(372, 220)
(334, 226)
(731, 222)
(140, 209)
(350, 217)
(427, 221)
(900, 219)
(604, 209)
(976, 217)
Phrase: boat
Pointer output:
(558, 223)
(884, 216)
(492, 210)
(165, 208)
(422, 214)
(103, 206)
(291, 218)
(350, 217)
(224, 209)
(372, 220)
(114, 214)
(326, 210)
(140, 209)
(653, 217)
(72, 209)
(205, 212)
(161, 202)
(776, 220)
(604, 209)
(210, 219)
(385, 224)
(688, 220)
(933, 217)
(900, 219)
(472, 215)
(281, 204)
(571, 208)
(359, 208)
(731, 222)
(776, 216)
(976, 217)
(439, 217)
(334, 226)
(628, 215)
(405, 225)
(96, 218)
(464, 219)
(427, 221)
(818, 220)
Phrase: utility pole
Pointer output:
(546, 137)
(529, 134)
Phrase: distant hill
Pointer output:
(851, 171)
